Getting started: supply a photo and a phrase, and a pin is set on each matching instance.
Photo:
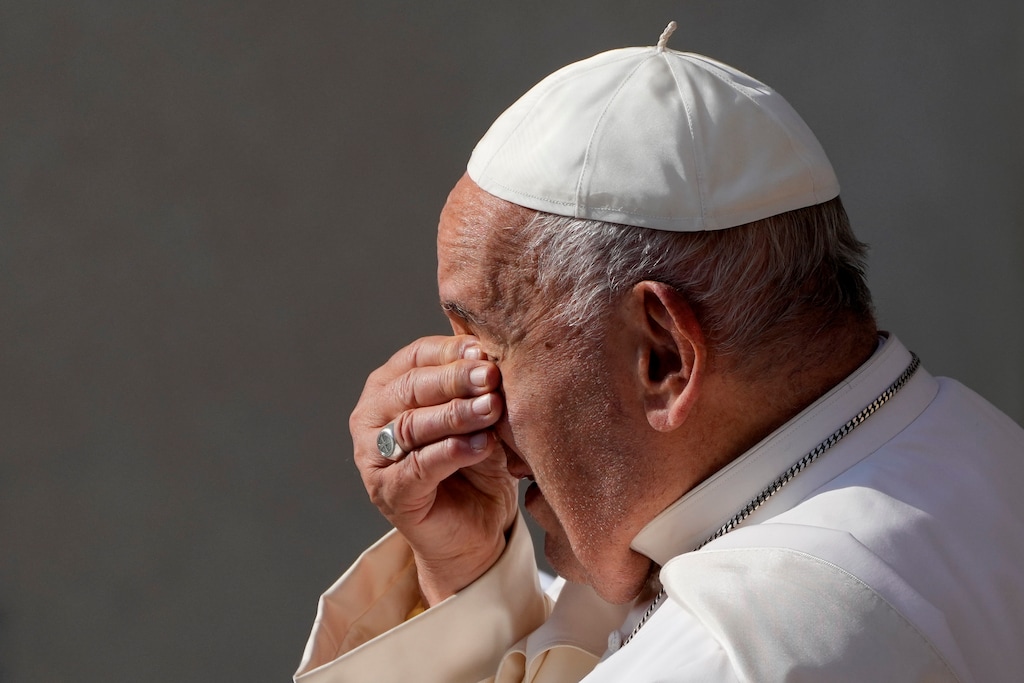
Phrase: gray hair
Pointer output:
(766, 286)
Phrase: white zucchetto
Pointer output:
(655, 138)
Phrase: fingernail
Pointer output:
(478, 376)
(473, 353)
(482, 404)
(478, 441)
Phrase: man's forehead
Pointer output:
(480, 231)
(472, 285)
(479, 214)
(483, 276)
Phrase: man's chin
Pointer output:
(557, 549)
(617, 583)
(561, 558)
(616, 586)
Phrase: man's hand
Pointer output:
(451, 497)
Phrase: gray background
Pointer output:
(216, 217)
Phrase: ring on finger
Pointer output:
(387, 443)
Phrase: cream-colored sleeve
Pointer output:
(360, 633)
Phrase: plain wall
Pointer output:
(217, 217)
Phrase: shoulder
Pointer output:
(776, 609)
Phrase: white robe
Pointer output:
(897, 556)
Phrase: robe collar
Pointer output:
(692, 519)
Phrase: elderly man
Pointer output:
(661, 322)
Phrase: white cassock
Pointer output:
(897, 555)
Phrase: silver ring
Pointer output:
(388, 444)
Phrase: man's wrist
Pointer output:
(440, 580)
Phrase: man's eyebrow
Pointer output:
(462, 312)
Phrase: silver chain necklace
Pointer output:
(787, 476)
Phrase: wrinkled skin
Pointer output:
(611, 425)
(562, 411)
(452, 496)
(566, 424)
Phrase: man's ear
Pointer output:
(672, 355)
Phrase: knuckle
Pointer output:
(355, 421)
(425, 350)
(405, 432)
(457, 346)
(449, 380)
(415, 352)
(376, 381)
(450, 349)
(375, 378)
(439, 385)
(415, 468)
(403, 389)
(453, 416)
(375, 492)
(451, 448)
(376, 489)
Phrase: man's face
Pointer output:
(571, 409)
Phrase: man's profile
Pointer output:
(660, 320)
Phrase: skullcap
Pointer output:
(655, 138)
